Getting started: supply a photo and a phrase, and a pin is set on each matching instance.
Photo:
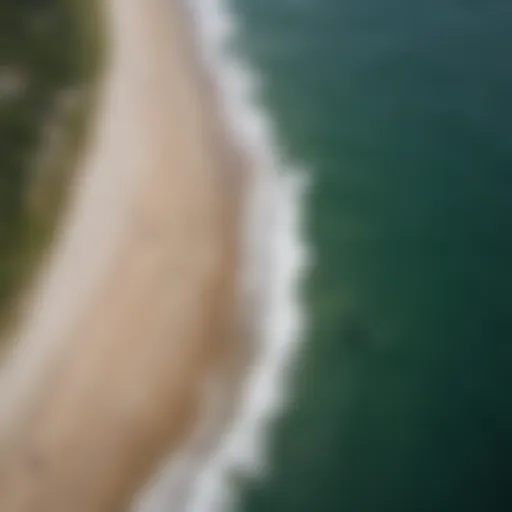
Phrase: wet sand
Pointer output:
(136, 309)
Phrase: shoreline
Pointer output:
(56, 428)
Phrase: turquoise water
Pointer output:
(402, 112)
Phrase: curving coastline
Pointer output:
(135, 311)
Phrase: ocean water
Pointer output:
(400, 112)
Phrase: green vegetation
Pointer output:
(49, 58)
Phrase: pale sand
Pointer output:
(135, 309)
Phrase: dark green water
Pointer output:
(402, 111)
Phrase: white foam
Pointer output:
(274, 260)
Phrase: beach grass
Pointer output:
(50, 59)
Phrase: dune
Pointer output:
(134, 317)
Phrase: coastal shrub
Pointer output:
(49, 57)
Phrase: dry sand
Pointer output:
(135, 308)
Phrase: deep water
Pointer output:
(401, 111)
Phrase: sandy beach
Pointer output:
(134, 313)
